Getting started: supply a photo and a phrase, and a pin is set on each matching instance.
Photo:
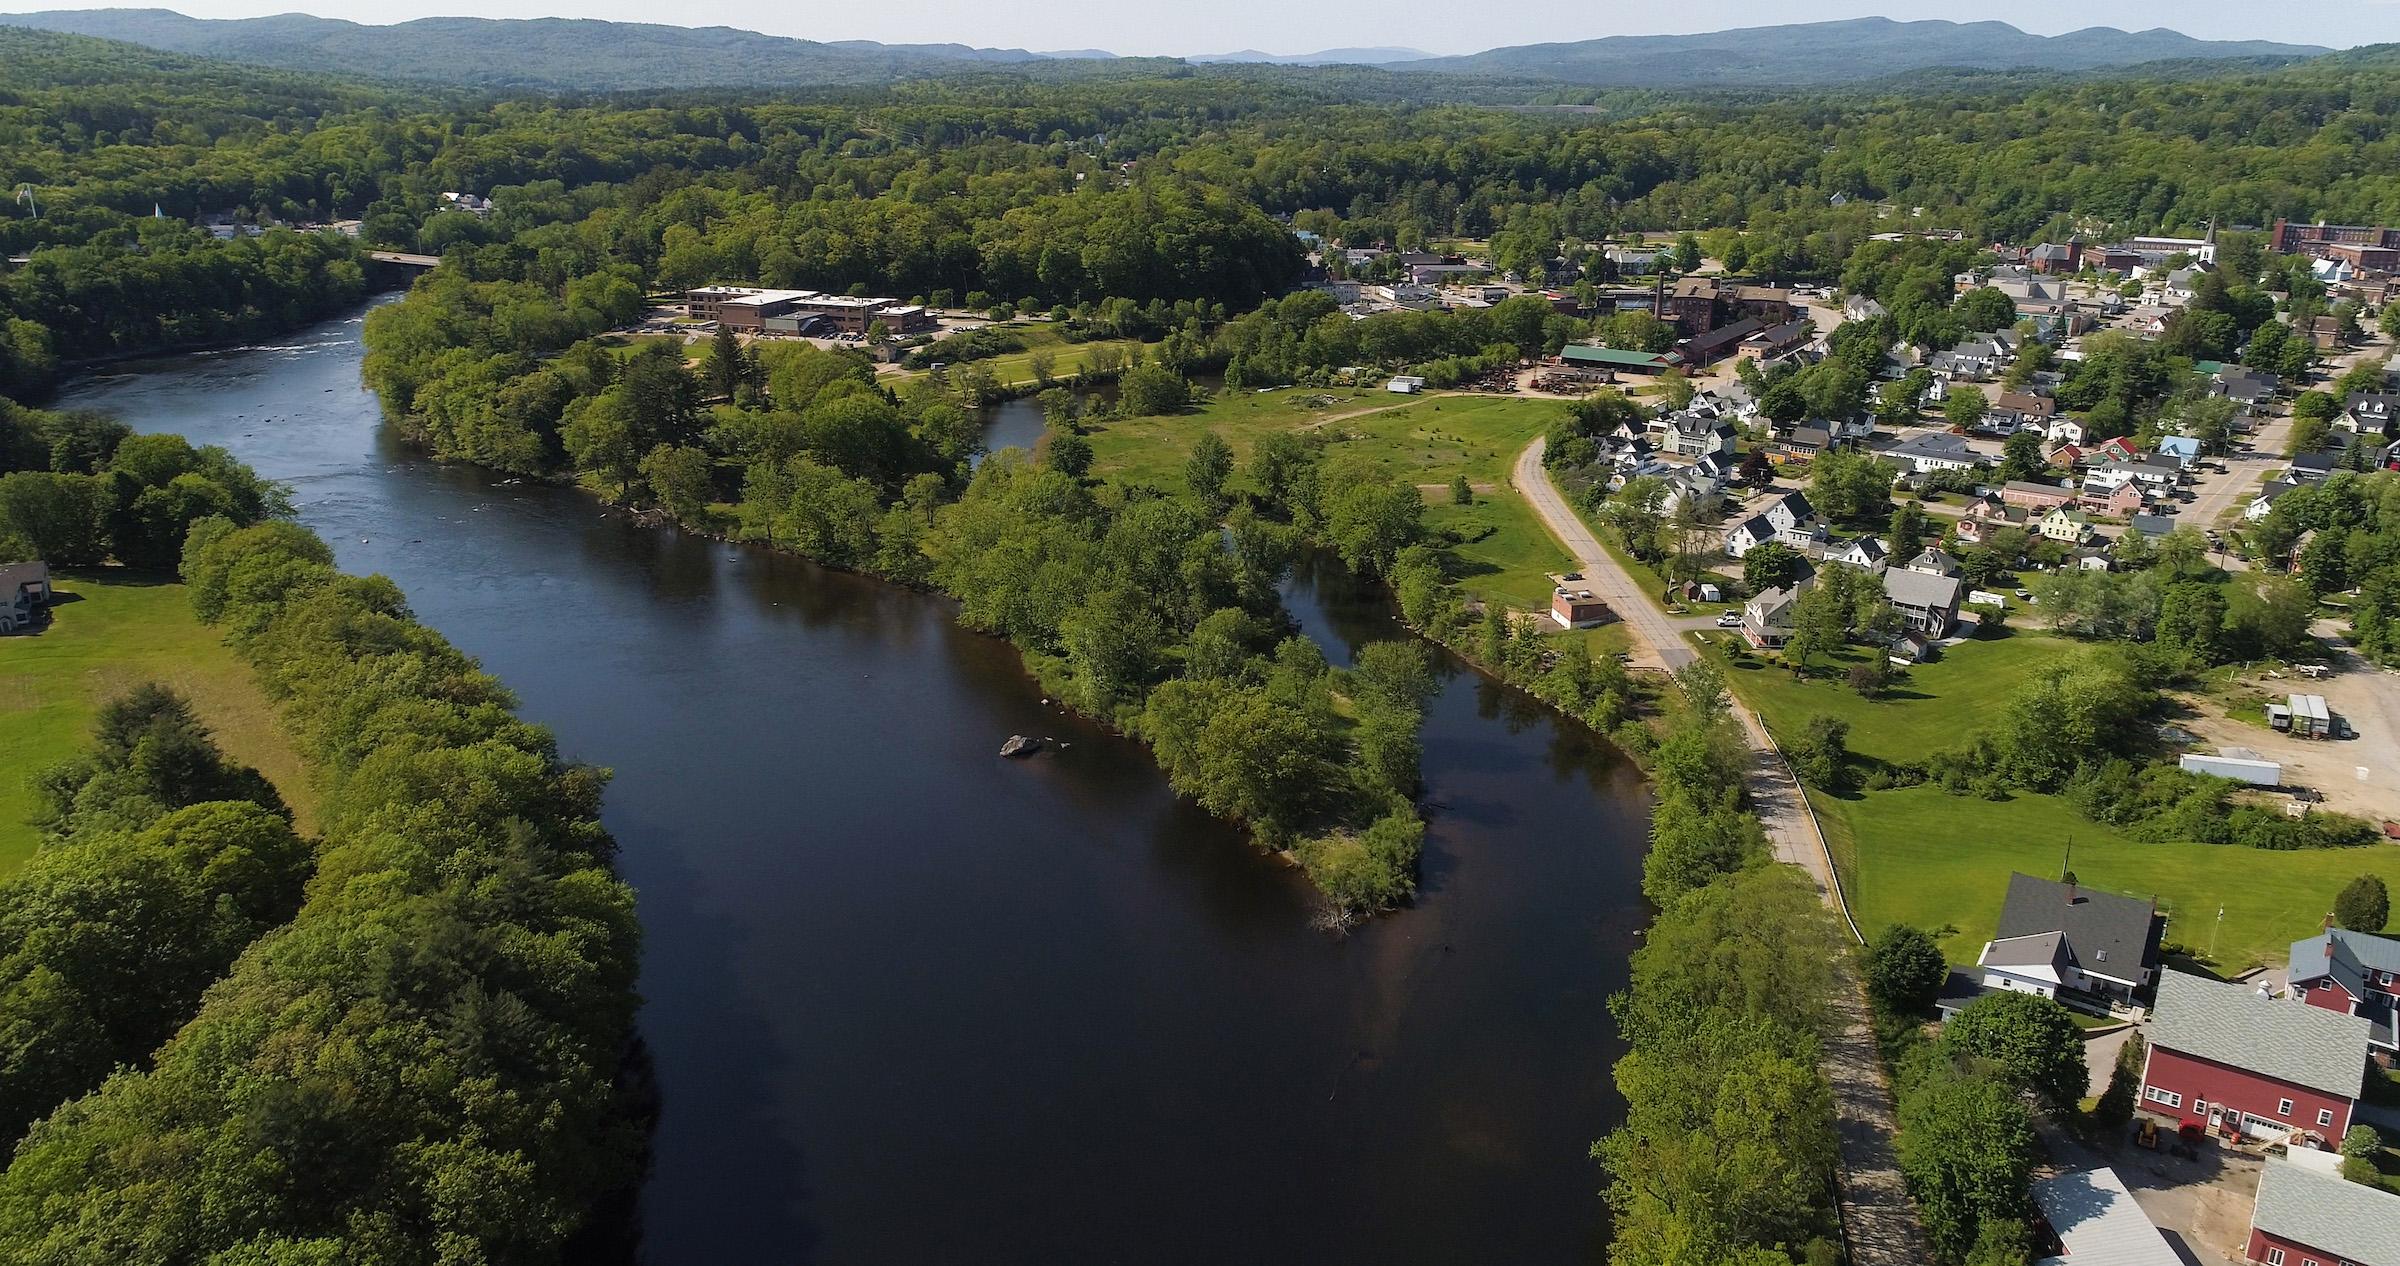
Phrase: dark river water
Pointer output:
(913, 1003)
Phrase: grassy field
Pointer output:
(111, 634)
(1942, 862)
(1933, 707)
(1426, 441)
(1918, 855)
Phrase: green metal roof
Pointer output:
(1618, 356)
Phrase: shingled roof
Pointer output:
(2304, 1045)
(2349, 1220)
(2109, 935)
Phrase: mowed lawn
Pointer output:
(1939, 862)
(1504, 552)
(110, 633)
(1921, 856)
(1936, 705)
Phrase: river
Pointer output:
(913, 1003)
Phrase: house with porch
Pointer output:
(2352, 973)
(1926, 602)
(2099, 496)
(2234, 1060)
(2057, 936)
(1767, 617)
(2306, 1215)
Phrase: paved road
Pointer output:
(1655, 641)
(1876, 1212)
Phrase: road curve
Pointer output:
(1878, 1219)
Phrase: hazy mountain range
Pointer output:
(585, 54)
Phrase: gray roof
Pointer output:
(2292, 1042)
(2349, 1220)
(2353, 954)
(2153, 524)
(1941, 444)
(2109, 935)
(1935, 557)
(2098, 1222)
(2042, 949)
(1920, 589)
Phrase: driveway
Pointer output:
(2366, 696)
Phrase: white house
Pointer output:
(1689, 436)
(1865, 553)
(1790, 520)
(2369, 412)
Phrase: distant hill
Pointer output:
(1328, 57)
(563, 54)
(1841, 52)
(539, 53)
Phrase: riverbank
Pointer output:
(836, 954)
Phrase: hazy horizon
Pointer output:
(1235, 25)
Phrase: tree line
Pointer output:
(429, 1058)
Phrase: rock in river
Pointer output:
(1018, 747)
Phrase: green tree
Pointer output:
(2363, 904)
(1908, 531)
(2021, 457)
(1964, 407)
(1905, 971)
(1207, 470)
(1967, 1151)
(1149, 391)
(683, 479)
(2028, 1040)
(2114, 1111)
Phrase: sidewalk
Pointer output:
(1877, 1216)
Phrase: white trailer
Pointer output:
(2257, 773)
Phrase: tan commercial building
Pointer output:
(806, 312)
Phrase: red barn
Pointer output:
(2353, 973)
(2308, 1217)
(2241, 1061)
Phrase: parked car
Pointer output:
(1730, 620)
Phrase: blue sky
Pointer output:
(1442, 26)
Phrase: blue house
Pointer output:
(2182, 448)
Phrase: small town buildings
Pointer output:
(2037, 497)
(1697, 305)
(1618, 360)
(802, 312)
(1862, 308)
(2253, 390)
(1866, 553)
(2099, 495)
(2088, 1218)
(1926, 602)
(2018, 410)
(1778, 340)
(2308, 1216)
(2065, 526)
(1790, 520)
(1575, 607)
(2235, 1060)
(2151, 526)
(2369, 412)
(1932, 561)
(2183, 450)
(1802, 443)
(1767, 617)
(2267, 496)
(1688, 435)
(2313, 468)
(2059, 936)
(2353, 973)
(1939, 450)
